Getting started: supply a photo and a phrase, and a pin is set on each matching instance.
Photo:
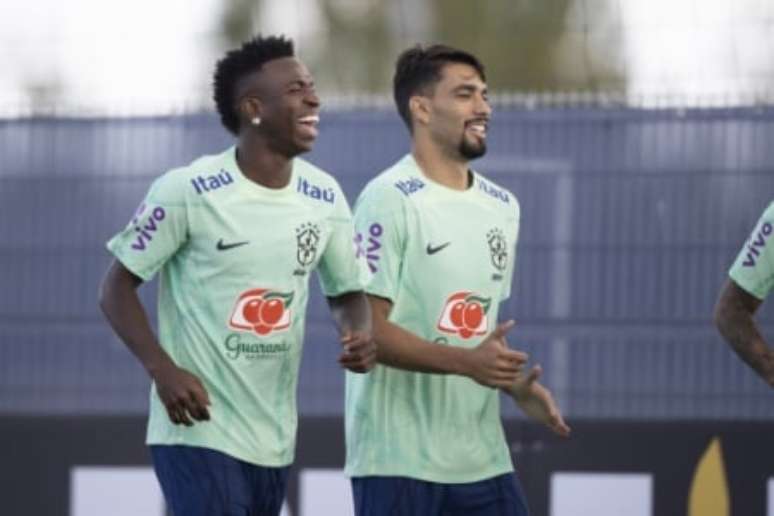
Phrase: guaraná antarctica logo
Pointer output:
(259, 312)
(464, 314)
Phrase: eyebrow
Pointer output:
(471, 88)
(303, 82)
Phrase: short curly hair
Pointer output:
(237, 64)
(419, 67)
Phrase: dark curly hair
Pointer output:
(418, 67)
(239, 63)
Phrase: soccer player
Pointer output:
(751, 279)
(235, 237)
(424, 436)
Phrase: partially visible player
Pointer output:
(235, 237)
(751, 279)
(424, 435)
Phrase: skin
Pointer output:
(280, 94)
(445, 137)
(734, 318)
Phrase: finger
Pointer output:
(533, 375)
(179, 416)
(560, 427)
(173, 416)
(513, 355)
(502, 329)
(183, 414)
(196, 406)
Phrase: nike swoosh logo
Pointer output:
(432, 250)
(225, 247)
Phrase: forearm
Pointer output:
(122, 307)
(521, 391)
(351, 312)
(740, 330)
(402, 349)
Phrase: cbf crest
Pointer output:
(498, 251)
(307, 243)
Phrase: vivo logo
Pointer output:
(410, 186)
(146, 227)
(210, 183)
(310, 190)
(370, 248)
(494, 192)
(756, 243)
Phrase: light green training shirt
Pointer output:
(445, 259)
(235, 259)
(753, 269)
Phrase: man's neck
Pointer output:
(446, 170)
(262, 164)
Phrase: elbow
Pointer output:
(103, 296)
(718, 316)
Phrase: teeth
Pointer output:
(311, 119)
(478, 128)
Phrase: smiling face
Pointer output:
(456, 112)
(282, 95)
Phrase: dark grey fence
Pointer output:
(630, 220)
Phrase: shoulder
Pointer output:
(499, 197)
(314, 183)
(393, 186)
(204, 174)
(768, 214)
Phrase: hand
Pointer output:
(492, 363)
(537, 402)
(767, 369)
(359, 351)
(183, 395)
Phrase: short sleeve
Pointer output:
(158, 229)
(753, 269)
(513, 237)
(340, 269)
(380, 225)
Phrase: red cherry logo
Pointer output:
(262, 329)
(473, 315)
(272, 310)
(456, 314)
(465, 333)
(252, 311)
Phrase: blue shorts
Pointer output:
(401, 496)
(203, 482)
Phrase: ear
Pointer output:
(419, 107)
(249, 108)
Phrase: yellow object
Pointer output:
(709, 489)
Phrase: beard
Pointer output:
(470, 150)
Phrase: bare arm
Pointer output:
(491, 363)
(352, 315)
(180, 391)
(537, 402)
(733, 316)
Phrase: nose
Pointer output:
(311, 98)
(483, 108)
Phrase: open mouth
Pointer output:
(309, 124)
(477, 127)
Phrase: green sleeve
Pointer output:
(158, 229)
(380, 223)
(513, 237)
(339, 269)
(753, 269)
